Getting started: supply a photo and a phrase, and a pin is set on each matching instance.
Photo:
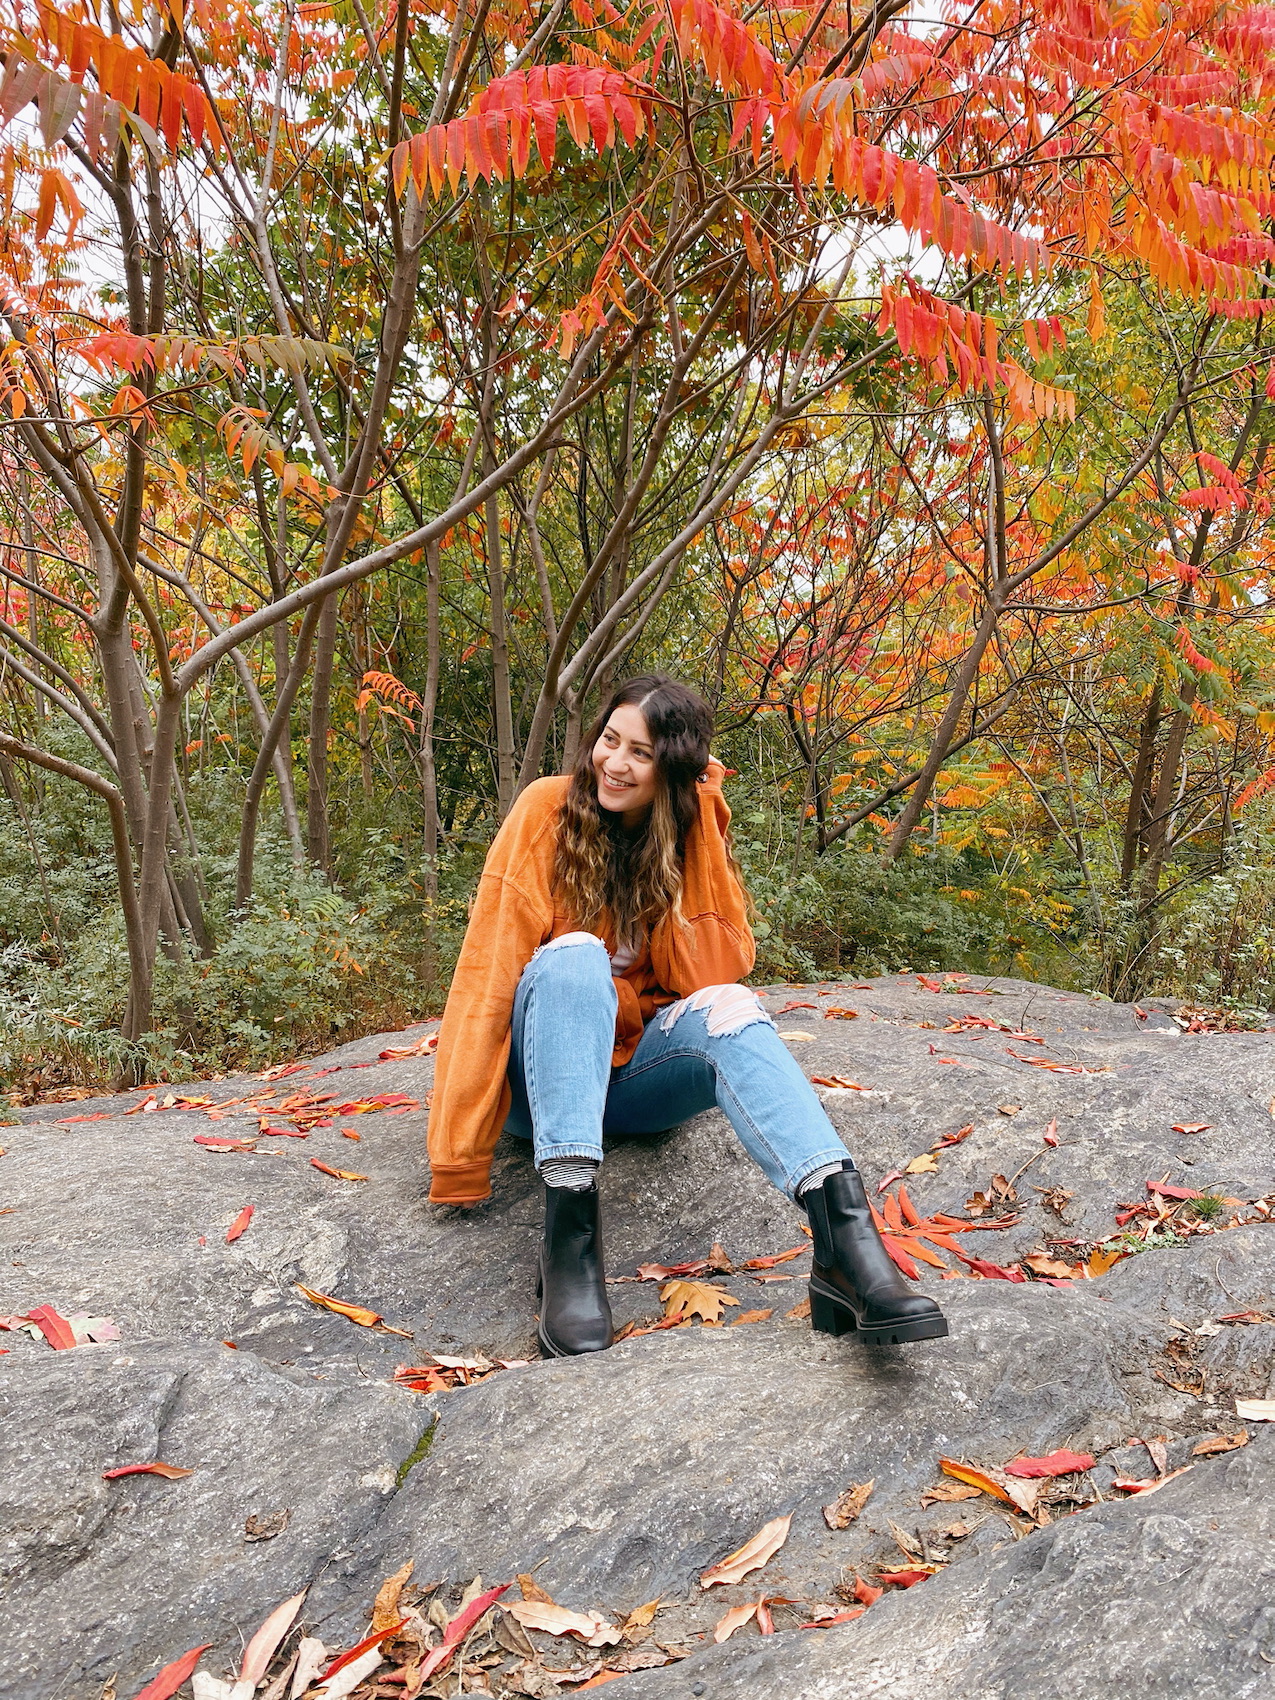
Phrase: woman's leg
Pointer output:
(720, 1047)
(562, 1037)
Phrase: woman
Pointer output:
(598, 992)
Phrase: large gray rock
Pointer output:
(620, 1477)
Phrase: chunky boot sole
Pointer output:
(546, 1344)
(829, 1315)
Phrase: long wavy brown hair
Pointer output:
(601, 869)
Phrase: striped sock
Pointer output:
(576, 1174)
(818, 1178)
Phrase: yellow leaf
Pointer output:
(356, 1313)
(751, 1556)
(640, 1618)
(1012, 1489)
(925, 1164)
(694, 1298)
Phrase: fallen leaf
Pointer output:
(1053, 1464)
(267, 1528)
(591, 1627)
(350, 1676)
(1020, 1494)
(751, 1316)
(779, 1257)
(800, 1312)
(889, 1179)
(531, 1589)
(1052, 1267)
(926, 1164)
(337, 1174)
(369, 1644)
(835, 1617)
(240, 1222)
(684, 1299)
(639, 1618)
(170, 1472)
(166, 1683)
(839, 1081)
(356, 1313)
(945, 1493)
(794, 1033)
(946, 1140)
(427, 1043)
(1100, 1261)
(734, 1619)
(1050, 1135)
(1256, 1410)
(1009, 1109)
(670, 1271)
(1159, 1189)
(865, 1593)
(910, 1577)
(261, 1649)
(600, 1678)
(57, 1330)
(1192, 1127)
(1216, 1443)
(838, 1014)
(844, 1510)
(751, 1556)
(215, 1143)
(765, 1622)
(718, 1261)
(791, 1006)
(385, 1608)
(311, 1657)
(1129, 1484)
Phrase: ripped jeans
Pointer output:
(718, 1046)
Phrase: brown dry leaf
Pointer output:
(385, 1612)
(734, 1619)
(751, 1316)
(1009, 1109)
(999, 1196)
(1013, 1490)
(685, 1299)
(1215, 1443)
(957, 1531)
(718, 1261)
(1054, 1268)
(751, 1556)
(946, 1493)
(843, 1511)
(592, 1628)
(639, 1618)
(799, 1313)
(531, 1589)
(1055, 1198)
(925, 1164)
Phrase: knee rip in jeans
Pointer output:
(570, 938)
(727, 1010)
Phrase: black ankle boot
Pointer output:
(574, 1314)
(853, 1281)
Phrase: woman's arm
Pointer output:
(511, 917)
(715, 946)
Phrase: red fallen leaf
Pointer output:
(789, 1006)
(779, 1257)
(904, 1578)
(217, 1144)
(1053, 1464)
(240, 1222)
(170, 1472)
(1179, 1192)
(901, 1257)
(282, 1133)
(909, 1211)
(1050, 1135)
(930, 985)
(865, 1593)
(765, 1622)
(671, 1271)
(1131, 1484)
(990, 1271)
(427, 1043)
(166, 1683)
(97, 1116)
(1179, 1127)
(56, 1329)
(281, 1070)
(374, 1640)
(889, 1180)
(457, 1630)
(947, 1140)
(837, 1617)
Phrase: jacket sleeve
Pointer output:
(507, 925)
(715, 945)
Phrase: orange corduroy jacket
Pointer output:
(514, 913)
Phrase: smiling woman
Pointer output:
(611, 897)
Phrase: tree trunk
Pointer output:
(316, 800)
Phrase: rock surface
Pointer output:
(618, 1479)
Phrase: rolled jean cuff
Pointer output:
(552, 1153)
(837, 1154)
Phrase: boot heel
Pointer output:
(829, 1318)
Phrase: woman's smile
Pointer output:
(624, 765)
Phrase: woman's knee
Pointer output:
(572, 958)
(726, 1010)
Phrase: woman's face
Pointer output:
(624, 765)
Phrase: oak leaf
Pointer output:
(751, 1556)
(925, 1164)
(385, 1609)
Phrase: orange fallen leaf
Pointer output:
(170, 1472)
(166, 1682)
(838, 1080)
(337, 1174)
(834, 1617)
(1100, 1261)
(865, 1593)
(751, 1316)
(800, 1312)
(843, 1511)
(684, 1299)
(355, 1313)
(1216, 1443)
(734, 1619)
(779, 1257)
(638, 1618)
(1020, 1494)
(925, 1164)
(751, 1556)
(837, 1014)
(946, 1493)
(385, 1608)
(1053, 1464)
(1192, 1127)
(910, 1577)
(240, 1222)
(600, 1678)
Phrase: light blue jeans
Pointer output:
(717, 1047)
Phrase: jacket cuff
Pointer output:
(460, 1183)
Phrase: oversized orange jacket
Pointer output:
(515, 913)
